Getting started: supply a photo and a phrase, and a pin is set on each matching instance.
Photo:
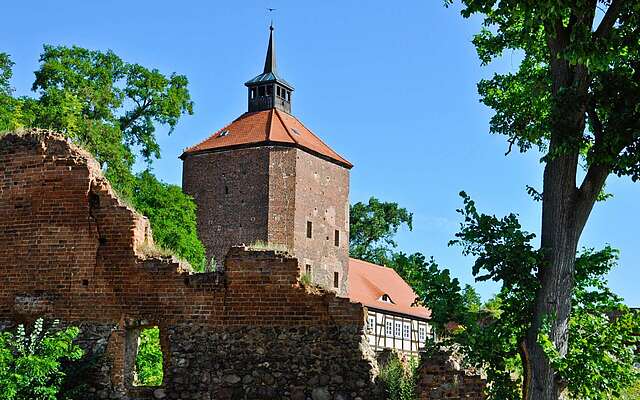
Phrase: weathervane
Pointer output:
(270, 11)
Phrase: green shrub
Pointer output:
(400, 379)
(30, 364)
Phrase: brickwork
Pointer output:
(268, 194)
(231, 189)
(71, 250)
(440, 378)
(322, 198)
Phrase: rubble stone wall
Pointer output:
(440, 378)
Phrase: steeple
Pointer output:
(268, 90)
(270, 61)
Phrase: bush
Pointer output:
(30, 364)
(399, 379)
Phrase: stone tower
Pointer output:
(267, 178)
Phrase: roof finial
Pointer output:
(270, 61)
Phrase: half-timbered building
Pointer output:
(394, 319)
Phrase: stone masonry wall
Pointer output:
(231, 189)
(440, 378)
(71, 250)
(322, 197)
(268, 194)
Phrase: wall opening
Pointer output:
(336, 238)
(309, 229)
(336, 279)
(144, 358)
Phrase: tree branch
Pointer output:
(598, 172)
(596, 124)
(127, 121)
(609, 19)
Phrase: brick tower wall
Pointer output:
(231, 189)
(269, 194)
(322, 198)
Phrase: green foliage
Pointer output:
(172, 215)
(9, 110)
(471, 299)
(575, 96)
(30, 363)
(400, 380)
(372, 227)
(305, 280)
(599, 362)
(603, 334)
(575, 63)
(108, 106)
(149, 365)
(632, 392)
(111, 108)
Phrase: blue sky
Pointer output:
(391, 87)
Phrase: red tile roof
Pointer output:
(267, 127)
(368, 282)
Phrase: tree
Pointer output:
(372, 227)
(576, 97)
(7, 102)
(602, 331)
(111, 108)
(172, 215)
(471, 298)
(31, 364)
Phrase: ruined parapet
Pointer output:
(70, 249)
(440, 376)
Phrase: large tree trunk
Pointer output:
(559, 241)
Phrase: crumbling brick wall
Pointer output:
(71, 250)
(439, 377)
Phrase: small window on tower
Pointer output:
(309, 229)
(261, 91)
(336, 279)
(269, 90)
(226, 189)
(253, 93)
(307, 269)
(336, 238)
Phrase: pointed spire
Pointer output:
(270, 61)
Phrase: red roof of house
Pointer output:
(267, 127)
(368, 282)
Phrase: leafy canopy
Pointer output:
(108, 106)
(580, 59)
(372, 228)
(172, 216)
(599, 363)
(112, 108)
(602, 331)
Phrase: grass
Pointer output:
(261, 245)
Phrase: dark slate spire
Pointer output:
(270, 61)
(268, 90)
